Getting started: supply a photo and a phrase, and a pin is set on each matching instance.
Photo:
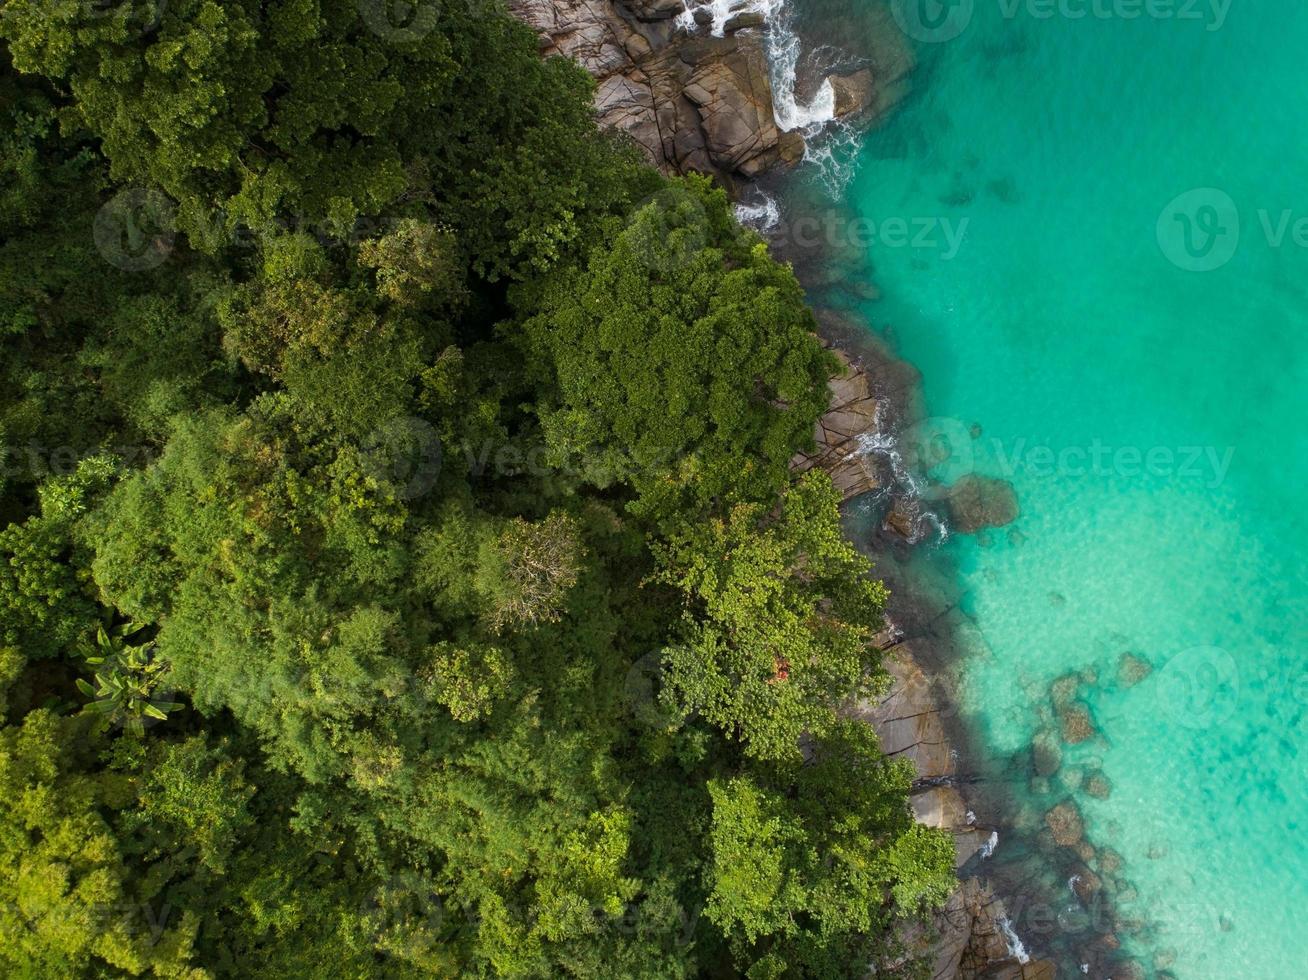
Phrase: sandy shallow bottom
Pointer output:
(1151, 419)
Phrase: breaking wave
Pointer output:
(1016, 948)
(828, 144)
(761, 212)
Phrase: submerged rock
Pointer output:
(1131, 670)
(1110, 862)
(1064, 822)
(1086, 884)
(1076, 723)
(903, 517)
(1064, 689)
(1127, 970)
(1071, 778)
(1098, 785)
(854, 92)
(1130, 925)
(977, 502)
(1046, 753)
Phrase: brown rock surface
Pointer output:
(694, 101)
(965, 939)
(1064, 822)
(854, 92)
(1131, 670)
(690, 100)
(852, 413)
(1076, 723)
(908, 722)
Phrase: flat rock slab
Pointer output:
(852, 415)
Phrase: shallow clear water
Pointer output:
(1151, 418)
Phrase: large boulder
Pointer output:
(854, 92)
(694, 92)
(691, 101)
(975, 502)
(1064, 822)
(1131, 670)
(729, 86)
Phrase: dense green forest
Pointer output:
(401, 570)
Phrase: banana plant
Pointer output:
(126, 677)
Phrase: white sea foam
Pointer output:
(1016, 948)
(882, 444)
(783, 48)
(723, 10)
(832, 152)
(761, 213)
(931, 518)
(988, 848)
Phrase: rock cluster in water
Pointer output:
(975, 502)
(968, 938)
(694, 101)
(1102, 918)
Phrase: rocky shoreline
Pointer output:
(694, 94)
(917, 719)
(697, 95)
(1050, 884)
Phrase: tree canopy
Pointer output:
(401, 573)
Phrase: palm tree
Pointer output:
(125, 680)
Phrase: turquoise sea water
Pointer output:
(1152, 419)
